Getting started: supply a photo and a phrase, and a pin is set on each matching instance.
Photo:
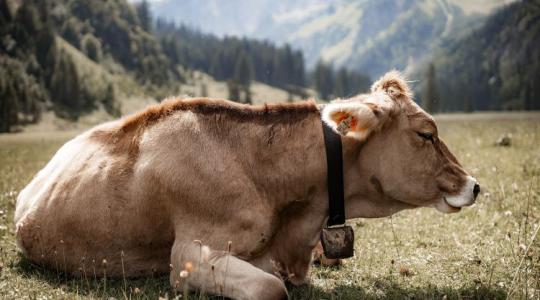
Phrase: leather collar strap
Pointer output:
(334, 164)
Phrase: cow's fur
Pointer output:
(228, 198)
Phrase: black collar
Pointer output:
(334, 164)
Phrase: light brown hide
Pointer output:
(237, 191)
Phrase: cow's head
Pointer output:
(393, 151)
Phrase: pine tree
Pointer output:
(71, 32)
(5, 13)
(109, 101)
(28, 16)
(430, 96)
(298, 69)
(216, 69)
(234, 91)
(358, 83)
(51, 62)
(143, 11)
(8, 106)
(91, 47)
(247, 95)
(65, 87)
(25, 27)
(243, 74)
(280, 68)
(73, 85)
(341, 86)
(44, 41)
(323, 79)
(243, 71)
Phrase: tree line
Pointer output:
(341, 83)
(229, 57)
(232, 59)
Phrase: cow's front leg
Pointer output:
(219, 273)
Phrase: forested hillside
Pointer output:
(62, 55)
(73, 57)
(496, 66)
(220, 57)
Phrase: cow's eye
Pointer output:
(428, 136)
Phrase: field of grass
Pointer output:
(488, 251)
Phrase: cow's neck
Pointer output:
(298, 167)
(301, 199)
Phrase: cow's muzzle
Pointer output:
(466, 196)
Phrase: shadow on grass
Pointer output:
(153, 287)
(390, 288)
(148, 287)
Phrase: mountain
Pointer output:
(495, 66)
(223, 18)
(369, 36)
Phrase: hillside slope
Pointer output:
(496, 66)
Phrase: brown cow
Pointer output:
(230, 198)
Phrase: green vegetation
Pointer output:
(44, 52)
(243, 74)
(343, 83)
(69, 56)
(276, 66)
(430, 96)
(488, 251)
(494, 67)
(143, 11)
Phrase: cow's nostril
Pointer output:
(476, 190)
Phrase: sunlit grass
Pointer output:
(485, 252)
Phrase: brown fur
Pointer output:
(125, 138)
(267, 113)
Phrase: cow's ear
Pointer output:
(394, 84)
(352, 118)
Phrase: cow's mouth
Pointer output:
(443, 206)
(455, 208)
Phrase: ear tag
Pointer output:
(338, 241)
(345, 126)
(393, 91)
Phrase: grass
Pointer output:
(489, 251)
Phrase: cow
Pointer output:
(230, 199)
